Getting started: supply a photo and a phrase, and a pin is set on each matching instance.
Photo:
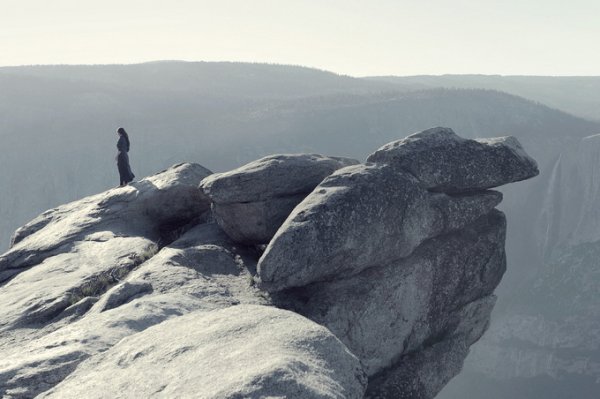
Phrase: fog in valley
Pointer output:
(58, 132)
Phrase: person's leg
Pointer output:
(122, 166)
(130, 175)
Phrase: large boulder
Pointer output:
(69, 260)
(362, 216)
(242, 351)
(423, 373)
(393, 309)
(445, 162)
(35, 360)
(201, 271)
(252, 201)
(149, 208)
(83, 248)
(399, 259)
(203, 263)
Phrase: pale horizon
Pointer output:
(389, 38)
(296, 65)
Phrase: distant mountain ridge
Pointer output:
(225, 114)
(246, 80)
(75, 118)
(578, 95)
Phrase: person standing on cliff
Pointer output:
(125, 173)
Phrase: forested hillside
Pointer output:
(578, 95)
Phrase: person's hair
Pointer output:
(123, 133)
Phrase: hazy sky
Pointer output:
(377, 37)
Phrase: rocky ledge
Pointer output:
(298, 276)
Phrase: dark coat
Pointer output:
(122, 144)
(125, 173)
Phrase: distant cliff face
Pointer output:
(549, 344)
(570, 211)
(293, 276)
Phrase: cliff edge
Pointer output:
(297, 275)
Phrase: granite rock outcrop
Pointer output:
(252, 201)
(293, 276)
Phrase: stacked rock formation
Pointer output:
(251, 202)
(375, 279)
(401, 255)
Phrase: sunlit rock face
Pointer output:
(293, 276)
